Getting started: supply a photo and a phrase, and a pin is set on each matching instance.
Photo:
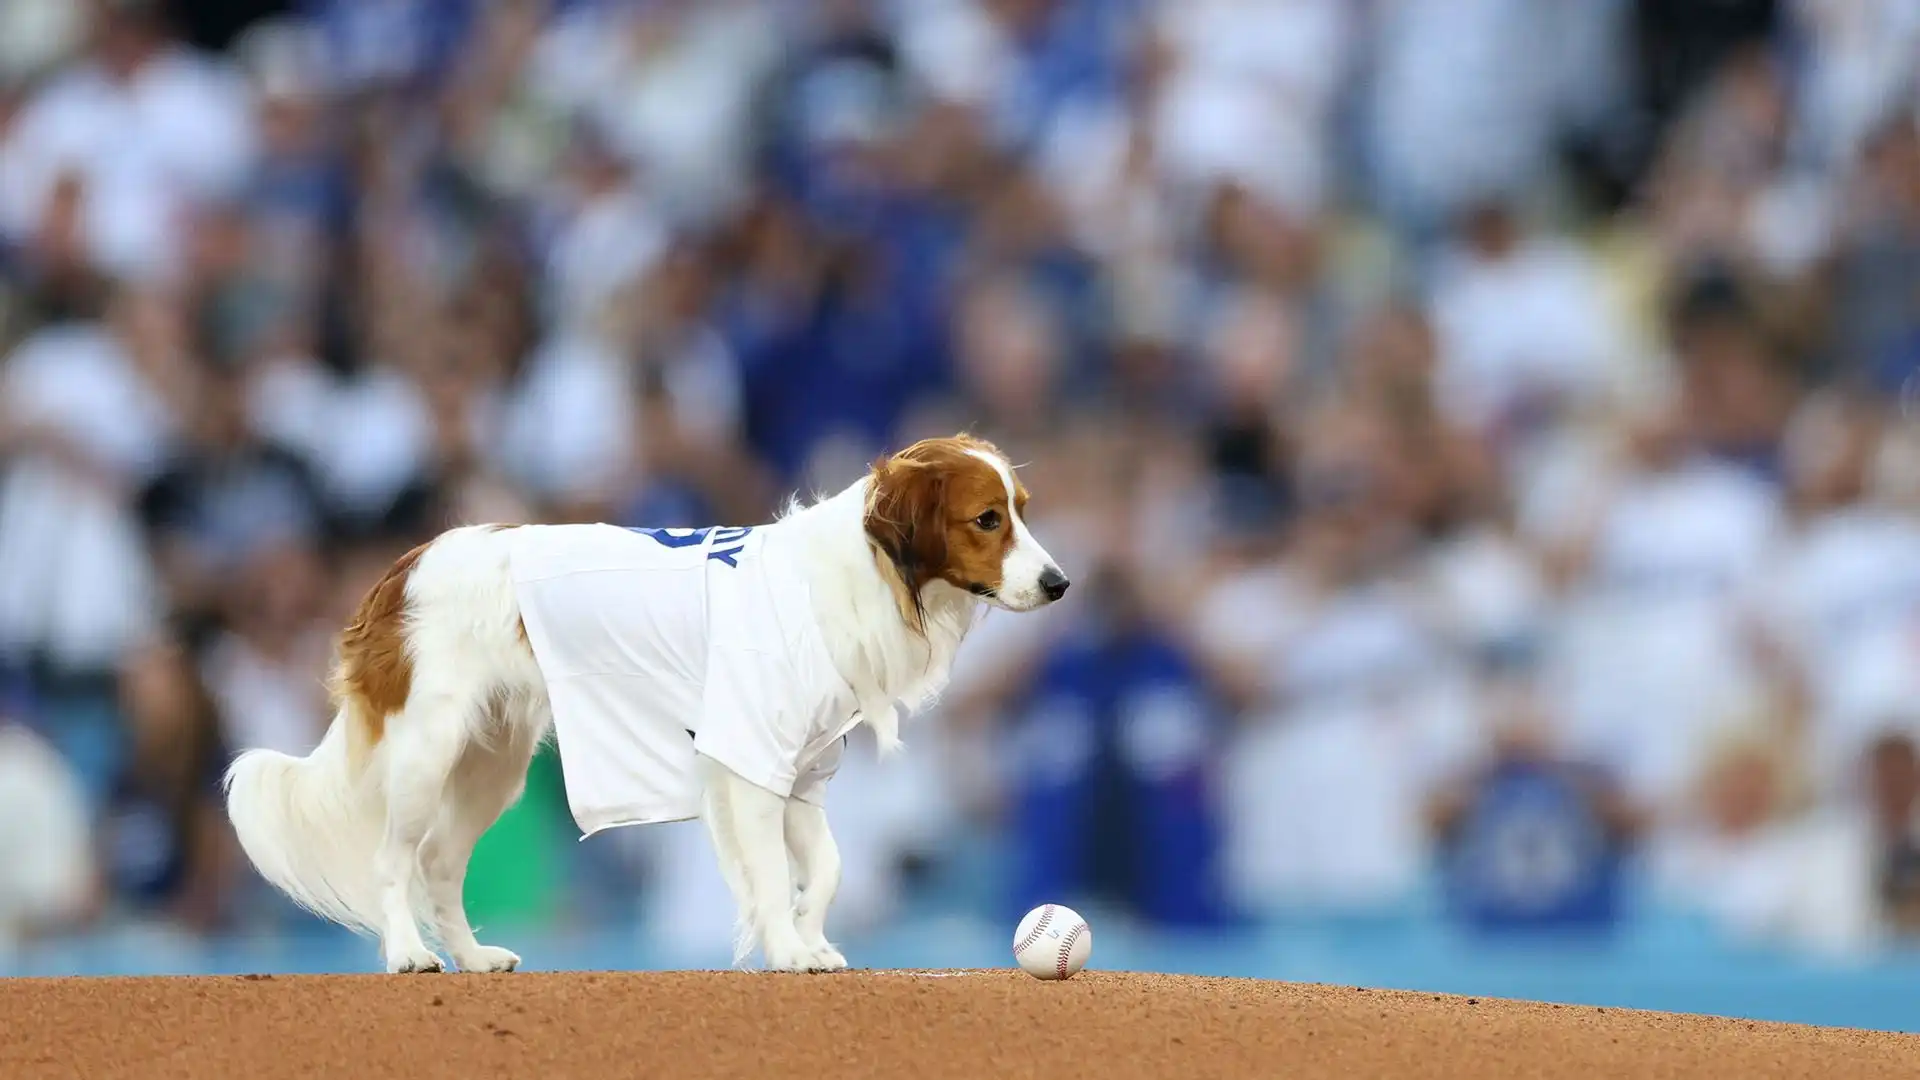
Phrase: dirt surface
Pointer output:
(920, 1026)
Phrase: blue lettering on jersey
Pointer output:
(722, 535)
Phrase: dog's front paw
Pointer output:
(827, 958)
(822, 955)
(486, 959)
(782, 960)
(796, 956)
(815, 959)
(414, 962)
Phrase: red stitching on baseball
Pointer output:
(1066, 946)
(1039, 927)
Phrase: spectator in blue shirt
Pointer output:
(1115, 741)
(1532, 840)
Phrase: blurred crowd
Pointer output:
(1479, 428)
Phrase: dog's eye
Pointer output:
(988, 521)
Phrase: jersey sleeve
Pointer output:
(811, 787)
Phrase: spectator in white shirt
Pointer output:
(86, 413)
(1467, 97)
(1862, 57)
(1745, 855)
(47, 865)
(1650, 645)
(1524, 329)
(1841, 601)
(87, 419)
(1365, 703)
(148, 130)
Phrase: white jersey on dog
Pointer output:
(657, 643)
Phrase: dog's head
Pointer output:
(951, 510)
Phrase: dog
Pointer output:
(711, 673)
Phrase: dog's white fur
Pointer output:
(384, 848)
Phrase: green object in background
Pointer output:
(515, 875)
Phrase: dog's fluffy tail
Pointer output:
(312, 825)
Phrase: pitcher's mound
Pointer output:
(909, 1025)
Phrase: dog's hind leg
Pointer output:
(489, 779)
(424, 743)
(816, 869)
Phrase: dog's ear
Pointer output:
(906, 520)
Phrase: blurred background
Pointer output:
(1479, 430)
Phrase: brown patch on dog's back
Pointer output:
(374, 674)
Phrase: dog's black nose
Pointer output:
(1053, 583)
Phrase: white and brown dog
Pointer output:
(709, 673)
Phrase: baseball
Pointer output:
(1052, 942)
